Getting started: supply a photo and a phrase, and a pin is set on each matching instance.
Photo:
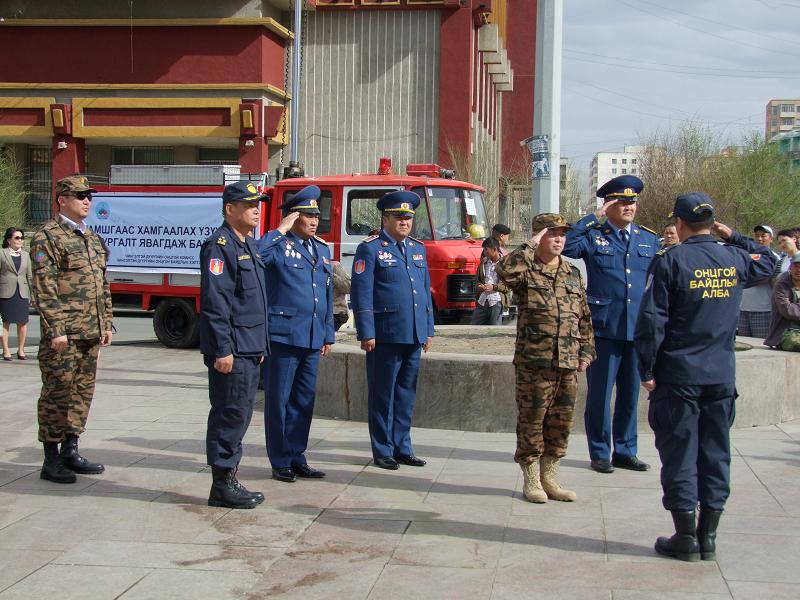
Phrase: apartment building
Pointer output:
(781, 116)
(607, 165)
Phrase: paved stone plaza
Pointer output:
(457, 528)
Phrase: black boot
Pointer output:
(683, 545)
(53, 468)
(226, 492)
(74, 461)
(258, 496)
(707, 532)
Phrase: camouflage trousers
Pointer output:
(546, 403)
(67, 388)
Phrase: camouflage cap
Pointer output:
(73, 183)
(550, 221)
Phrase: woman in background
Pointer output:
(15, 289)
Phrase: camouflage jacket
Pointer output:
(69, 276)
(341, 287)
(554, 326)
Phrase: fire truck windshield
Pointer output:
(455, 214)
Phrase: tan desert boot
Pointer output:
(550, 483)
(532, 489)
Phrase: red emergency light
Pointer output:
(385, 166)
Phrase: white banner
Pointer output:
(155, 232)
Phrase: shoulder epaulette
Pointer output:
(221, 240)
(648, 229)
(320, 240)
(663, 251)
(416, 240)
(371, 238)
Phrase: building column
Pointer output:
(69, 158)
(253, 154)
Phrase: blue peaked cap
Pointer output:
(624, 187)
(399, 202)
(304, 201)
(241, 191)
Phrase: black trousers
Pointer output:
(232, 397)
(692, 426)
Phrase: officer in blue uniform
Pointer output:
(685, 345)
(233, 338)
(300, 294)
(617, 254)
(390, 294)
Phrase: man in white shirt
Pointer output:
(490, 290)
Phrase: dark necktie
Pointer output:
(309, 248)
(402, 248)
(624, 235)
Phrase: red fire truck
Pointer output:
(450, 220)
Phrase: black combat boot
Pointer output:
(683, 545)
(226, 492)
(53, 468)
(707, 532)
(74, 461)
(258, 496)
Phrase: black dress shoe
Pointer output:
(410, 460)
(629, 462)
(387, 462)
(284, 474)
(602, 466)
(305, 471)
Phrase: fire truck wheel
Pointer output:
(175, 323)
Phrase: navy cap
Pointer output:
(693, 207)
(624, 187)
(399, 203)
(304, 201)
(241, 191)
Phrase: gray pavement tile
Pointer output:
(201, 557)
(587, 504)
(18, 564)
(424, 582)
(633, 539)
(481, 515)
(512, 589)
(263, 526)
(170, 584)
(75, 582)
(450, 544)
(753, 501)
(348, 540)
(750, 590)
(749, 557)
(648, 595)
(624, 503)
(572, 537)
(320, 579)
(664, 576)
(733, 523)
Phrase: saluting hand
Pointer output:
(721, 230)
(537, 237)
(601, 212)
(287, 222)
(649, 385)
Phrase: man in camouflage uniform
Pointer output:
(69, 274)
(554, 342)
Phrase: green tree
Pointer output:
(12, 194)
(750, 183)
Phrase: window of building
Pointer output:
(633, 171)
(787, 107)
(324, 203)
(613, 171)
(624, 171)
(217, 156)
(613, 161)
(773, 123)
(633, 161)
(624, 161)
(143, 155)
(775, 110)
(787, 121)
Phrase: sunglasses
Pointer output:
(80, 195)
(17, 237)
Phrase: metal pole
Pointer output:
(295, 105)
(547, 100)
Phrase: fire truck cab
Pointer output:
(450, 221)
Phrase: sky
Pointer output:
(634, 67)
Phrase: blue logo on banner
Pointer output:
(103, 210)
